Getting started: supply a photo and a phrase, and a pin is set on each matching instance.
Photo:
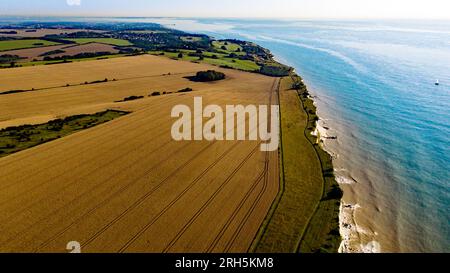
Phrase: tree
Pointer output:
(209, 76)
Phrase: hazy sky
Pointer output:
(430, 9)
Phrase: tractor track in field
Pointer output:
(84, 141)
(148, 194)
(80, 152)
(175, 200)
(87, 141)
(144, 197)
(100, 184)
(262, 176)
(121, 190)
(210, 199)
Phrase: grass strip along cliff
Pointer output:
(305, 216)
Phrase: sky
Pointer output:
(401, 9)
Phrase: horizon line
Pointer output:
(230, 17)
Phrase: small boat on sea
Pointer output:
(437, 82)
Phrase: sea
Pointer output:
(375, 85)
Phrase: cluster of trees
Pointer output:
(53, 52)
(16, 132)
(56, 125)
(275, 70)
(8, 59)
(10, 32)
(209, 76)
(185, 90)
(128, 50)
(130, 98)
(83, 55)
(99, 81)
(57, 39)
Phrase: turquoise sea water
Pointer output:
(374, 83)
(375, 88)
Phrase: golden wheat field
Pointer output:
(126, 186)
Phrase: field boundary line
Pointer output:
(152, 222)
(256, 201)
(176, 199)
(263, 228)
(119, 191)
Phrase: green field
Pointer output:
(245, 65)
(22, 44)
(110, 41)
(61, 62)
(303, 218)
(230, 47)
(322, 233)
(221, 60)
(15, 139)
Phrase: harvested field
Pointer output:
(126, 186)
(40, 32)
(30, 54)
(132, 69)
(86, 48)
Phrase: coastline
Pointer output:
(307, 180)
(381, 202)
(326, 158)
(330, 184)
(351, 232)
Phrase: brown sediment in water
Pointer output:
(366, 214)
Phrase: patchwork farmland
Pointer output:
(38, 53)
(41, 32)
